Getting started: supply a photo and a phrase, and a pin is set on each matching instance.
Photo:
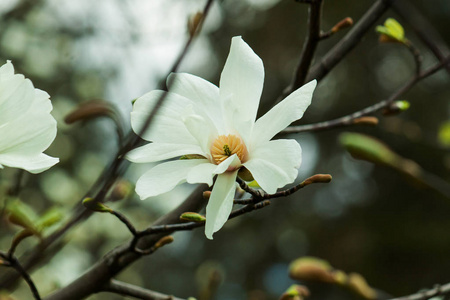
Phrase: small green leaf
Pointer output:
(444, 134)
(49, 218)
(21, 214)
(392, 31)
(192, 217)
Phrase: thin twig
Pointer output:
(350, 40)
(125, 221)
(15, 264)
(423, 295)
(309, 47)
(423, 29)
(126, 289)
(348, 120)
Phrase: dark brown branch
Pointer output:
(309, 47)
(121, 257)
(126, 289)
(348, 120)
(350, 40)
(436, 291)
(105, 181)
(423, 29)
(15, 264)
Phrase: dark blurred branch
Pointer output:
(12, 262)
(422, 27)
(126, 289)
(349, 119)
(103, 184)
(436, 291)
(350, 40)
(309, 47)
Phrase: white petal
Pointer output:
(161, 151)
(164, 177)
(220, 203)
(283, 114)
(202, 93)
(167, 126)
(202, 130)
(231, 162)
(33, 164)
(275, 164)
(203, 173)
(241, 81)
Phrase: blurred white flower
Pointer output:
(218, 127)
(26, 126)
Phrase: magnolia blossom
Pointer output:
(26, 126)
(215, 132)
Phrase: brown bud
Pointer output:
(318, 178)
(194, 23)
(368, 120)
(345, 23)
(359, 285)
(88, 110)
(311, 269)
(163, 241)
(206, 195)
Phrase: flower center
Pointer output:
(225, 146)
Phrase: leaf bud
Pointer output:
(367, 120)
(192, 217)
(359, 285)
(94, 205)
(311, 269)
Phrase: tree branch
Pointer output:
(126, 289)
(349, 119)
(423, 29)
(436, 291)
(309, 47)
(350, 40)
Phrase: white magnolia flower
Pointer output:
(26, 126)
(218, 126)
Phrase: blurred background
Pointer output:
(369, 219)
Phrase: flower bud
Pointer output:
(311, 269)
(367, 120)
(194, 23)
(359, 285)
(345, 23)
(121, 190)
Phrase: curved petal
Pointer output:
(28, 134)
(201, 92)
(161, 151)
(220, 203)
(202, 173)
(231, 162)
(275, 164)
(33, 164)
(202, 130)
(241, 81)
(283, 114)
(167, 126)
(164, 177)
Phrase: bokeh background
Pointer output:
(369, 219)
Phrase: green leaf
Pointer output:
(392, 30)
(368, 148)
(21, 214)
(49, 218)
(444, 134)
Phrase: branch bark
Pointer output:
(350, 40)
